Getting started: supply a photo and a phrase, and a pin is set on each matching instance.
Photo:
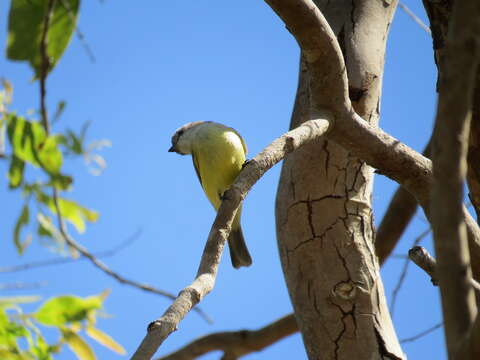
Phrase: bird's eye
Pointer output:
(180, 132)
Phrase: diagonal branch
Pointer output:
(204, 282)
(235, 344)
(414, 17)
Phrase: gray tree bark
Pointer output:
(323, 209)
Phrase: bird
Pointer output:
(218, 154)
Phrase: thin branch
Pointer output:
(235, 344)
(403, 273)
(62, 226)
(59, 261)
(415, 18)
(422, 258)
(204, 282)
(421, 334)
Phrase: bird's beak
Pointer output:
(172, 149)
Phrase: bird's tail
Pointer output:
(238, 249)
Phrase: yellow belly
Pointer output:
(218, 157)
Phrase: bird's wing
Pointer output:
(241, 139)
(197, 168)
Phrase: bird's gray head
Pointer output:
(182, 139)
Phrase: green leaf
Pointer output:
(60, 181)
(66, 309)
(70, 210)
(26, 25)
(105, 339)
(15, 173)
(78, 345)
(41, 350)
(22, 220)
(31, 144)
(45, 226)
(9, 332)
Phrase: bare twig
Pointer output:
(422, 258)
(59, 261)
(421, 334)
(403, 273)
(62, 226)
(415, 18)
(204, 282)
(235, 344)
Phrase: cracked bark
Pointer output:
(323, 208)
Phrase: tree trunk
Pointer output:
(323, 209)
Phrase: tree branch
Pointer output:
(422, 258)
(235, 344)
(473, 173)
(329, 93)
(204, 282)
(449, 152)
(414, 17)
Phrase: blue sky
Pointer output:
(160, 65)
